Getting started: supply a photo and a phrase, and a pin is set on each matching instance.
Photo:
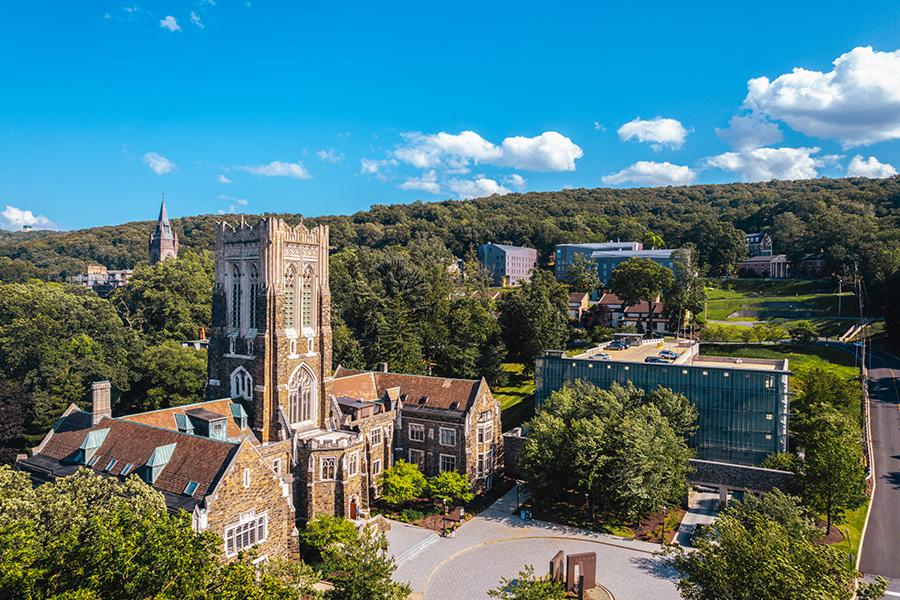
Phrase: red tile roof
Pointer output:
(441, 392)
(165, 417)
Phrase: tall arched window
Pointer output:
(290, 280)
(308, 298)
(254, 296)
(241, 384)
(302, 395)
(235, 297)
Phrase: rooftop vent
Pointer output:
(184, 423)
(423, 400)
(454, 405)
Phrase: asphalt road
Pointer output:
(881, 546)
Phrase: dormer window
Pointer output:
(190, 488)
(112, 462)
(127, 469)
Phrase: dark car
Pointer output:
(617, 346)
(655, 359)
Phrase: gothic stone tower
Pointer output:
(163, 241)
(270, 343)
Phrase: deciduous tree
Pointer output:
(641, 279)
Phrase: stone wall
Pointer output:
(266, 493)
(513, 444)
(738, 477)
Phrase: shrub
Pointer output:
(402, 483)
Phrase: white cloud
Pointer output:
(476, 188)
(857, 102)
(234, 204)
(277, 168)
(764, 164)
(170, 23)
(659, 131)
(223, 179)
(426, 183)
(331, 155)
(16, 218)
(515, 181)
(748, 132)
(159, 163)
(370, 166)
(651, 173)
(549, 151)
(598, 126)
(870, 167)
(195, 19)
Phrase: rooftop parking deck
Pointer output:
(688, 353)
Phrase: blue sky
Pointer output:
(329, 107)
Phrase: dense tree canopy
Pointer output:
(615, 446)
(765, 548)
(533, 317)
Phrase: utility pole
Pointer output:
(840, 291)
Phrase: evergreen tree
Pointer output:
(399, 344)
(533, 317)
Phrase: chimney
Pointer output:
(101, 392)
(382, 367)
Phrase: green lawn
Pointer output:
(853, 526)
(516, 397)
(782, 302)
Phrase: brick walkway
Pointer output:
(496, 544)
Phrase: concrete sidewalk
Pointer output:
(703, 509)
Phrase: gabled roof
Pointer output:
(185, 457)
(577, 297)
(641, 307)
(443, 393)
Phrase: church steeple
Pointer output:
(164, 240)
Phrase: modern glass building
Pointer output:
(742, 403)
(564, 254)
(608, 260)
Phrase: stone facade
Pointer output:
(163, 243)
(250, 488)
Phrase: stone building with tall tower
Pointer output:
(163, 241)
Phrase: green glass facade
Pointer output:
(743, 413)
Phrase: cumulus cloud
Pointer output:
(659, 131)
(223, 179)
(159, 163)
(515, 181)
(426, 183)
(277, 168)
(370, 166)
(857, 102)
(748, 132)
(764, 164)
(870, 167)
(170, 23)
(651, 173)
(15, 218)
(549, 151)
(476, 188)
(195, 19)
(331, 155)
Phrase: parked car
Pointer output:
(670, 354)
(601, 356)
(655, 359)
(617, 345)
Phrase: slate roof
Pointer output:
(442, 393)
(192, 458)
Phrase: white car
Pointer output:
(669, 354)
(601, 356)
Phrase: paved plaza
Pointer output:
(497, 544)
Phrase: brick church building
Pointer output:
(284, 434)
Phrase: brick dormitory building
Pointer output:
(283, 436)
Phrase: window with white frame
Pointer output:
(276, 465)
(246, 479)
(375, 436)
(353, 464)
(328, 467)
(485, 433)
(484, 465)
(241, 384)
(416, 432)
(376, 466)
(447, 436)
(250, 531)
(447, 462)
(417, 457)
